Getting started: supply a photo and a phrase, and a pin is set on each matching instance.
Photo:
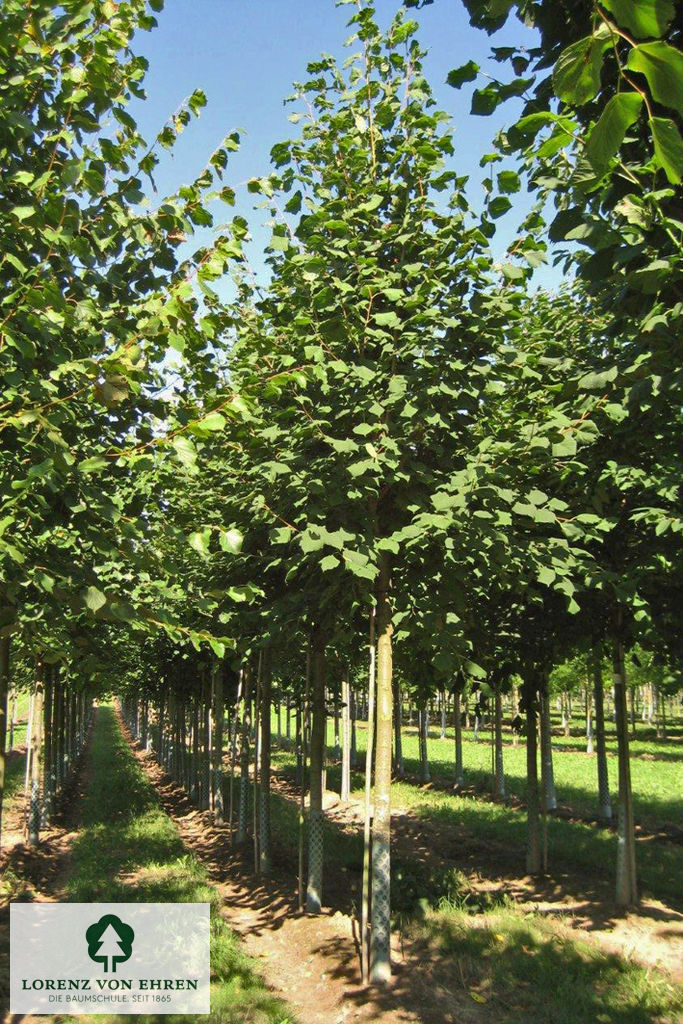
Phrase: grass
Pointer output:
(656, 766)
(128, 850)
(528, 972)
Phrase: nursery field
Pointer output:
(340, 507)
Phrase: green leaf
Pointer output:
(310, 540)
(231, 540)
(387, 320)
(662, 65)
(212, 421)
(576, 75)
(186, 452)
(508, 182)
(466, 73)
(644, 18)
(668, 148)
(279, 242)
(92, 464)
(199, 541)
(485, 101)
(564, 448)
(94, 599)
(23, 212)
(197, 100)
(620, 112)
(329, 562)
(499, 206)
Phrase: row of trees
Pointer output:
(393, 459)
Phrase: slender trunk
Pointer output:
(380, 949)
(48, 777)
(337, 744)
(317, 757)
(459, 773)
(257, 765)
(4, 690)
(301, 736)
(196, 775)
(547, 773)
(346, 740)
(589, 721)
(244, 756)
(206, 743)
(354, 742)
(218, 719)
(422, 728)
(515, 715)
(533, 852)
(627, 887)
(266, 697)
(367, 824)
(442, 697)
(398, 745)
(34, 817)
(499, 774)
(600, 746)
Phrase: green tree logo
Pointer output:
(110, 941)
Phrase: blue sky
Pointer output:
(245, 55)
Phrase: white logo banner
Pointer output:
(73, 958)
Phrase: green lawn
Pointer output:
(656, 766)
(527, 972)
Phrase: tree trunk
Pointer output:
(346, 739)
(459, 774)
(547, 773)
(533, 851)
(48, 775)
(317, 758)
(242, 814)
(4, 690)
(589, 721)
(398, 744)
(337, 744)
(627, 887)
(301, 741)
(218, 724)
(422, 728)
(367, 823)
(380, 951)
(499, 773)
(600, 746)
(354, 716)
(35, 815)
(442, 697)
(266, 696)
